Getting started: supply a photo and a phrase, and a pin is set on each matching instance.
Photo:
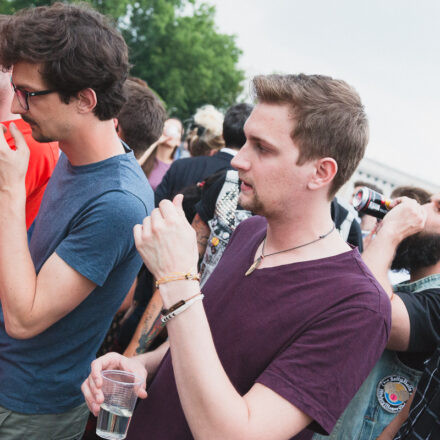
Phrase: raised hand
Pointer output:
(166, 241)
(13, 163)
(406, 218)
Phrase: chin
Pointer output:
(41, 137)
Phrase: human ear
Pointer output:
(86, 100)
(325, 170)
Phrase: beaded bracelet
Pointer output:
(178, 276)
(180, 307)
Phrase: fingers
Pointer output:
(3, 128)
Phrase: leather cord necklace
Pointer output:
(257, 262)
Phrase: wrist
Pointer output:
(13, 199)
(175, 291)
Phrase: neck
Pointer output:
(163, 153)
(92, 143)
(303, 226)
(425, 272)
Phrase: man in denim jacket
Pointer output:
(413, 335)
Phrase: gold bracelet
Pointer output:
(178, 276)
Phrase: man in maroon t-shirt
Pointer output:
(293, 320)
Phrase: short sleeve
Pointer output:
(321, 370)
(206, 206)
(423, 310)
(101, 236)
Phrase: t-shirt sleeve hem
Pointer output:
(80, 266)
(294, 396)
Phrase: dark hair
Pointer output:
(368, 185)
(77, 47)
(413, 192)
(233, 132)
(141, 118)
(329, 119)
(417, 251)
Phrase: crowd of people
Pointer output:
(213, 258)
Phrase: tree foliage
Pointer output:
(175, 46)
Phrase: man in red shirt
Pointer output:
(43, 157)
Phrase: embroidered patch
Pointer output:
(392, 393)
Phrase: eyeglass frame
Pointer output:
(27, 94)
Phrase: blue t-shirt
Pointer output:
(87, 217)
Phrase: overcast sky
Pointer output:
(389, 50)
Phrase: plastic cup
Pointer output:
(120, 394)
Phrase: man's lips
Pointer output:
(245, 186)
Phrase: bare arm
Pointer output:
(202, 234)
(145, 326)
(405, 219)
(30, 303)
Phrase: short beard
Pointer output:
(417, 251)
(254, 205)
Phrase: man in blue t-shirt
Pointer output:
(58, 295)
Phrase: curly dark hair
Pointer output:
(77, 47)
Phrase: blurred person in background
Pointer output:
(157, 160)
(141, 120)
(206, 142)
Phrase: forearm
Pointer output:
(17, 272)
(378, 256)
(152, 359)
(212, 406)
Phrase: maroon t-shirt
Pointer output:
(310, 331)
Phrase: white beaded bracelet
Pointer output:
(182, 308)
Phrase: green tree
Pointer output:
(176, 47)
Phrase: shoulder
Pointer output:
(248, 229)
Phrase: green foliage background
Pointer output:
(175, 47)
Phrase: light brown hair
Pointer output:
(329, 119)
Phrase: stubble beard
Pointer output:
(252, 204)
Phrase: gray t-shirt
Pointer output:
(310, 331)
(87, 217)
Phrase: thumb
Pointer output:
(177, 202)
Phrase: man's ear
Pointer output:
(325, 170)
(87, 100)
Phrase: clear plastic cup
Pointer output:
(120, 394)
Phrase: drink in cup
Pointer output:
(120, 393)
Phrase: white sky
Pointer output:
(389, 50)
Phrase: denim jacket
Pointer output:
(384, 392)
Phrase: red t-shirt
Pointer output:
(42, 161)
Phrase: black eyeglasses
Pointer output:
(23, 95)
